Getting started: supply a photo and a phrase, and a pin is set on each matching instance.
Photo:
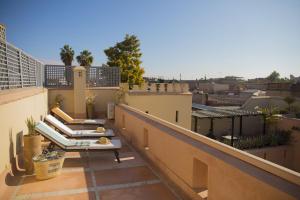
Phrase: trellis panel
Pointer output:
(60, 76)
(17, 69)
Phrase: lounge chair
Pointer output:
(65, 144)
(76, 133)
(68, 119)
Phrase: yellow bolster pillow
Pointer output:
(100, 129)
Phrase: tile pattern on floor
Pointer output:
(98, 176)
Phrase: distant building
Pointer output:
(257, 83)
(2, 32)
(279, 86)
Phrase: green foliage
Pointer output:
(57, 101)
(30, 123)
(85, 58)
(283, 111)
(270, 113)
(211, 135)
(120, 95)
(67, 55)
(90, 100)
(289, 100)
(277, 138)
(48, 155)
(274, 76)
(127, 56)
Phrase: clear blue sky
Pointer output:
(194, 37)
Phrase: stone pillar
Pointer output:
(79, 73)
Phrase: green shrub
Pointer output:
(30, 123)
(283, 112)
(280, 137)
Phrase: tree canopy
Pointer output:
(289, 100)
(274, 76)
(127, 55)
(85, 58)
(67, 55)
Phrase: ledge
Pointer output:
(158, 93)
(277, 170)
(102, 88)
(8, 96)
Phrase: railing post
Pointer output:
(45, 76)
(232, 131)
(21, 68)
(36, 76)
(8, 85)
(79, 74)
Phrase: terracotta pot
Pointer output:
(90, 111)
(32, 147)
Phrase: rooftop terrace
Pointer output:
(161, 157)
(92, 175)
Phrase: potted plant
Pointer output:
(48, 164)
(32, 145)
(120, 96)
(90, 104)
(57, 101)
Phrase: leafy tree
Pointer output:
(85, 58)
(271, 115)
(127, 56)
(67, 55)
(274, 76)
(289, 100)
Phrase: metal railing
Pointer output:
(18, 69)
(103, 77)
(60, 76)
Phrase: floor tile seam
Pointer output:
(155, 173)
(53, 193)
(96, 189)
(92, 174)
(20, 182)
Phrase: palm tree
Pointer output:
(271, 116)
(289, 100)
(85, 58)
(67, 55)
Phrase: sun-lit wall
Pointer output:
(164, 106)
(102, 97)
(15, 107)
(196, 166)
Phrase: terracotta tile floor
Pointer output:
(98, 176)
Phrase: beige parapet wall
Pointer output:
(288, 124)
(282, 155)
(194, 163)
(160, 104)
(160, 87)
(103, 96)
(288, 155)
(163, 105)
(15, 107)
(68, 99)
